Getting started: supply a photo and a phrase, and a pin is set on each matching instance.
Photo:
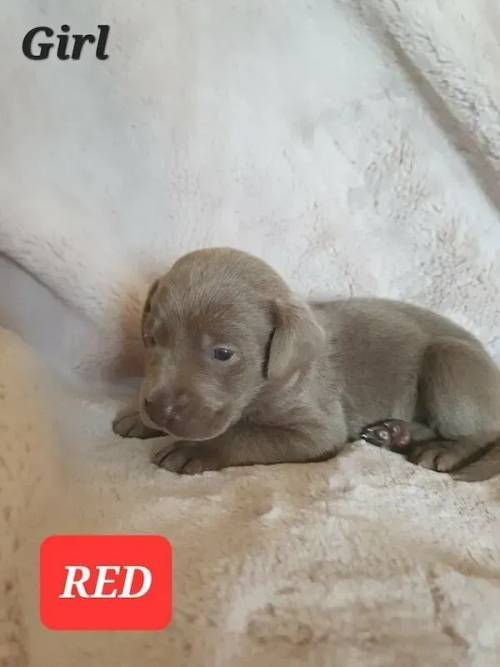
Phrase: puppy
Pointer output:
(243, 372)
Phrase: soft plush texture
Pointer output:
(355, 146)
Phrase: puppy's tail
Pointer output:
(481, 464)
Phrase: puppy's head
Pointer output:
(217, 327)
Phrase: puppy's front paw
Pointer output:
(441, 456)
(128, 424)
(187, 458)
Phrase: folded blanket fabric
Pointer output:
(354, 145)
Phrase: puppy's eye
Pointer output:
(222, 353)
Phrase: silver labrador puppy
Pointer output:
(241, 371)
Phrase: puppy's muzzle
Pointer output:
(182, 414)
(164, 407)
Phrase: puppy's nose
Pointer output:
(164, 405)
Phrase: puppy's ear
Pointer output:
(297, 338)
(147, 304)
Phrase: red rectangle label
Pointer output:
(105, 582)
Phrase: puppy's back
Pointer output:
(373, 317)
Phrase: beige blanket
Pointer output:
(362, 560)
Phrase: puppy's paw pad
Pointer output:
(390, 434)
(185, 459)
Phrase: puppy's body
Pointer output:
(376, 348)
(303, 379)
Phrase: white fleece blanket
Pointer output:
(355, 145)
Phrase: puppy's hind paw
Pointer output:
(441, 456)
(394, 434)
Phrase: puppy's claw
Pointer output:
(392, 434)
(186, 459)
